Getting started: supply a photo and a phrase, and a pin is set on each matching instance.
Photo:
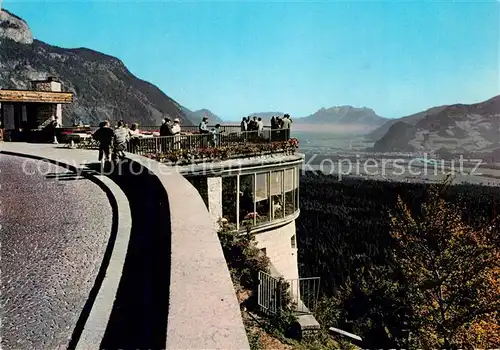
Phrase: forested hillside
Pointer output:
(344, 236)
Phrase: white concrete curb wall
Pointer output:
(203, 310)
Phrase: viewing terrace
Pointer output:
(191, 147)
(164, 283)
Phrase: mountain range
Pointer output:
(344, 115)
(104, 88)
(341, 115)
(458, 129)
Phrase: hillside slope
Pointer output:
(458, 128)
(196, 116)
(103, 87)
(378, 133)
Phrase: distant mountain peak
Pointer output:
(195, 116)
(344, 115)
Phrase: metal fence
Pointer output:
(162, 144)
(188, 128)
(268, 294)
(303, 293)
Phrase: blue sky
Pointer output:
(236, 58)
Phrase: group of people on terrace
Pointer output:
(114, 142)
(277, 123)
(169, 128)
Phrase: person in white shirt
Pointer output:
(134, 130)
(176, 132)
(260, 126)
(216, 135)
(176, 128)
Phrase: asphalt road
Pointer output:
(54, 231)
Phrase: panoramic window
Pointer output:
(289, 187)
(262, 198)
(258, 199)
(247, 210)
(277, 209)
(296, 189)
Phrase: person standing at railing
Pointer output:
(216, 135)
(166, 127)
(253, 125)
(274, 128)
(203, 129)
(166, 130)
(176, 132)
(260, 126)
(244, 124)
(287, 124)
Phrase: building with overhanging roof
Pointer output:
(33, 109)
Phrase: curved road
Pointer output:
(54, 231)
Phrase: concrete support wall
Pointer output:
(214, 187)
(278, 245)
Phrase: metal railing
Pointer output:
(163, 144)
(228, 128)
(303, 294)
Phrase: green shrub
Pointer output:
(243, 257)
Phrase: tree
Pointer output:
(451, 274)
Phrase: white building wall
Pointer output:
(214, 189)
(279, 249)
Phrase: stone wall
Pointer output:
(41, 85)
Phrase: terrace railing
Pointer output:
(163, 144)
(229, 128)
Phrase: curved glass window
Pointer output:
(267, 196)
(246, 203)
(262, 203)
(289, 187)
(277, 210)
(258, 198)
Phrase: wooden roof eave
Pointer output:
(29, 96)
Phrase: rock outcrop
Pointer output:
(14, 28)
